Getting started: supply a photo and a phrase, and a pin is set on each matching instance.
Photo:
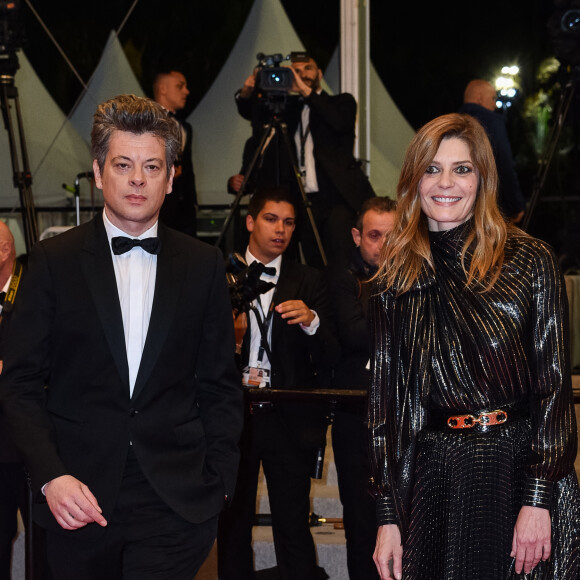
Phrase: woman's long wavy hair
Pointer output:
(406, 251)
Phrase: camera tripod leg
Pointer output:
(544, 163)
(298, 177)
(242, 190)
(22, 179)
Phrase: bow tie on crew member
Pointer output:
(288, 341)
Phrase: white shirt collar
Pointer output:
(113, 231)
(275, 263)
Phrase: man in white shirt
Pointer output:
(322, 128)
(119, 385)
(295, 348)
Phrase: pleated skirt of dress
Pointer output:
(466, 499)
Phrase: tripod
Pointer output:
(275, 125)
(544, 164)
(22, 179)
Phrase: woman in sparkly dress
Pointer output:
(473, 431)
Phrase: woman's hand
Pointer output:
(389, 549)
(532, 538)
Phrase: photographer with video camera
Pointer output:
(321, 128)
(290, 343)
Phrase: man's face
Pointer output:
(174, 91)
(375, 226)
(134, 180)
(271, 231)
(309, 72)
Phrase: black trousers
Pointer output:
(287, 467)
(350, 448)
(144, 540)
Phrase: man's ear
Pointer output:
(249, 223)
(356, 236)
(97, 172)
(170, 180)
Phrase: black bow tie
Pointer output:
(270, 270)
(122, 244)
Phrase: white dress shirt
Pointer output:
(135, 273)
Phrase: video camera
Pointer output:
(11, 36)
(272, 78)
(244, 282)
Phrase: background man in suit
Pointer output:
(322, 128)
(349, 295)
(479, 102)
(179, 210)
(296, 350)
(13, 488)
(119, 385)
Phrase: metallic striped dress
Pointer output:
(442, 349)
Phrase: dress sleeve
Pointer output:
(554, 439)
(381, 354)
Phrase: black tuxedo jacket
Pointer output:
(332, 125)
(8, 452)
(185, 414)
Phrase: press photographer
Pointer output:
(321, 130)
(290, 343)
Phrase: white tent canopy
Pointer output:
(113, 76)
(219, 133)
(56, 152)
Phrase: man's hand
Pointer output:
(532, 538)
(299, 85)
(295, 312)
(72, 503)
(235, 182)
(389, 549)
(248, 87)
(240, 327)
(516, 219)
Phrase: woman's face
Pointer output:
(449, 186)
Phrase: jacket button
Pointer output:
(133, 412)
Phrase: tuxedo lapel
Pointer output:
(167, 289)
(97, 265)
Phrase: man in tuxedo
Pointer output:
(294, 348)
(119, 384)
(322, 130)
(179, 210)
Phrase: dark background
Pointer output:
(425, 53)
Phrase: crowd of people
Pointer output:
(136, 395)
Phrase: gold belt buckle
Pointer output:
(484, 419)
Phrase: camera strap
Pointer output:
(264, 323)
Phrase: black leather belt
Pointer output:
(480, 421)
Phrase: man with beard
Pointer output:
(322, 130)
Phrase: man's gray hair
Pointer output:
(137, 115)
